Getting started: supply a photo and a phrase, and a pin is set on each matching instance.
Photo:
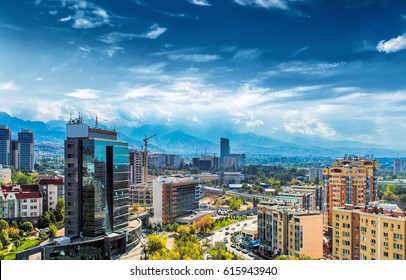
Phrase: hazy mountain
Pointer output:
(174, 139)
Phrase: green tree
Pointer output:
(136, 206)
(3, 224)
(27, 226)
(13, 232)
(4, 238)
(402, 198)
(53, 230)
(155, 243)
(317, 180)
(60, 210)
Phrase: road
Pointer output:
(219, 235)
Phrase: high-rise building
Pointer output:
(398, 166)
(26, 150)
(174, 197)
(224, 148)
(5, 146)
(96, 181)
(373, 232)
(351, 180)
(289, 231)
(15, 154)
(137, 167)
(316, 172)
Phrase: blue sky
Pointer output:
(281, 68)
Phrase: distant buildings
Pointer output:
(227, 178)
(316, 172)
(351, 180)
(289, 231)
(206, 162)
(398, 166)
(375, 232)
(228, 160)
(164, 160)
(21, 202)
(174, 197)
(5, 175)
(19, 153)
(305, 197)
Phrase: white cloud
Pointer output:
(254, 123)
(392, 45)
(200, 2)
(247, 54)
(65, 19)
(116, 37)
(110, 52)
(267, 4)
(85, 93)
(53, 12)
(154, 32)
(194, 57)
(306, 68)
(307, 124)
(8, 86)
(156, 68)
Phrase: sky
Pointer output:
(280, 68)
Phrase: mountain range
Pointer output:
(188, 141)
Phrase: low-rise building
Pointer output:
(289, 231)
(374, 232)
(174, 197)
(21, 202)
(231, 178)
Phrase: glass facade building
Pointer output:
(26, 150)
(5, 145)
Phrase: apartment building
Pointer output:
(21, 202)
(289, 231)
(142, 194)
(351, 180)
(51, 189)
(374, 232)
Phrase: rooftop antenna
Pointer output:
(97, 123)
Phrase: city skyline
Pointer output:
(276, 67)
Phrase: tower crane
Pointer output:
(145, 163)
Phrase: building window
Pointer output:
(397, 256)
(398, 246)
(363, 229)
(385, 225)
(385, 254)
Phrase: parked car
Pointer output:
(245, 251)
(251, 254)
(233, 246)
(238, 248)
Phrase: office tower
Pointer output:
(15, 151)
(373, 232)
(289, 231)
(351, 180)
(26, 149)
(5, 146)
(96, 181)
(174, 197)
(137, 167)
(398, 166)
(224, 148)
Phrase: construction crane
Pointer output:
(145, 158)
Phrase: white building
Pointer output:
(5, 175)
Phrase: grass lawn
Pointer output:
(225, 223)
(29, 243)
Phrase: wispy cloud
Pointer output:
(85, 93)
(11, 27)
(194, 57)
(110, 52)
(393, 45)
(8, 86)
(116, 37)
(305, 68)
(246, 54)
(267, 4)
(200, 2)
(299, 51)
(156, 68)
(154, 32)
